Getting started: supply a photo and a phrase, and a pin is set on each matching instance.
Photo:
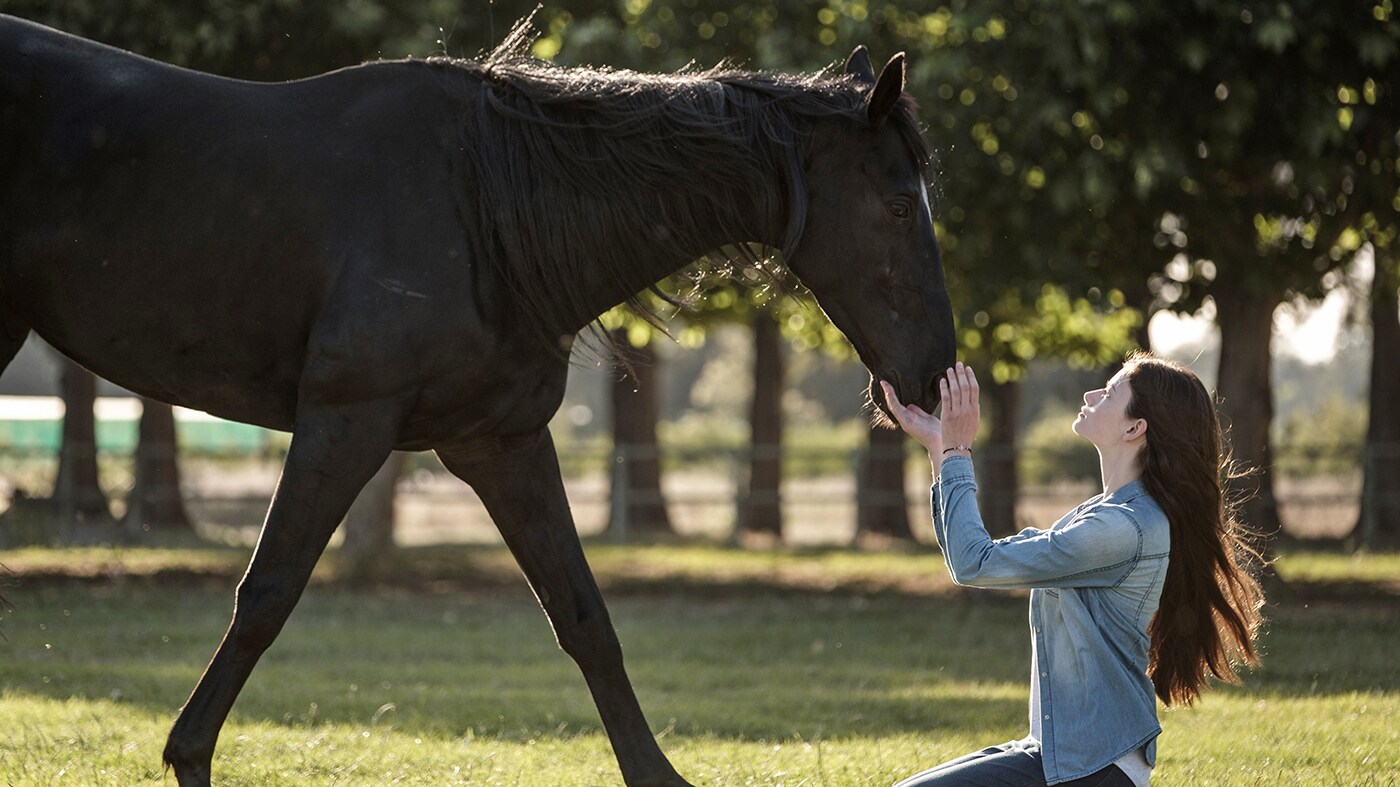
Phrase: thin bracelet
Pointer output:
(959, 447)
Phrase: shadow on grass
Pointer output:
(722, 642)
(773, 668)
(702, 569)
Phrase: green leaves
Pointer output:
(1275, 35)
(1065, 130)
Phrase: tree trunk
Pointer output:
(155, 502)
(638, 506)
(1140, 296)
(77, 496)
(369, 524)
(761, 507)
(1246, 318)
(882, 509)
(1379, 524)
(999, 481)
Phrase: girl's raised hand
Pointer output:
(912, 419)
(961, 409)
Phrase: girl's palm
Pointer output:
(921, 426)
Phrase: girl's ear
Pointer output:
(1137, 430)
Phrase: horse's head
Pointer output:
(867, 249)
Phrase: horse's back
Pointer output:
(182, 234)
(38, 60)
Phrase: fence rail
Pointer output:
(1319, 492)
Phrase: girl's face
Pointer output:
(1103, 420)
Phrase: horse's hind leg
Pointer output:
(334, 451)
(520, 484)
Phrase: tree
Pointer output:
(1368, 105)
(638, 504)
(882, 506)
(369, 524)
(155, 502)
(1266, 205)
(760, 508)
(1229, 138)
(777, 308)
(77, 496)
(1378, 525)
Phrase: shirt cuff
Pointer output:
(955, 468)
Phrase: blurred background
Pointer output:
(1216, 182)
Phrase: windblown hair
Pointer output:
(605, 170)
(1210, 608)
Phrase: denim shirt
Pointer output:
(1096, 578)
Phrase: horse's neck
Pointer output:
(587, 216)
(671, 225)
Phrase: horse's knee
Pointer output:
(260, 610)
(587, 638)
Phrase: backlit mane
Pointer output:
(588, 168)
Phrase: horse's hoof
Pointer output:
(187, 776)
(673, 780)
(189, 771)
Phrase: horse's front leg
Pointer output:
(334, 452)
(519, 482)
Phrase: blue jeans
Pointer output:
(1014, 764)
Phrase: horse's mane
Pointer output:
(569, 165)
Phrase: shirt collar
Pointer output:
(1126, 492)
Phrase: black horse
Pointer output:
(398, 256)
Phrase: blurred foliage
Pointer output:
(1084, 144)
(255, 39)
(1000, 314)
(1051, 452)
(1324, 440)
(1008, 331)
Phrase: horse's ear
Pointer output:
(888, 88)
(858, 65)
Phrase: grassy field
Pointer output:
(814, 667)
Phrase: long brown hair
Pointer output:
(1210, 608)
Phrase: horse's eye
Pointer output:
(900, 209)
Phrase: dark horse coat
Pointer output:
(399, 255)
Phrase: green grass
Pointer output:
(755, 668)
